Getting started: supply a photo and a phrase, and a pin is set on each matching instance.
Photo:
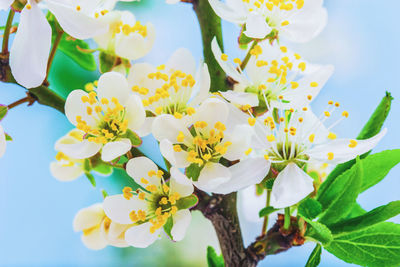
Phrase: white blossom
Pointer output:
(127, 37)
(152, 208)
(98, 230)
(109, 116)
(3, 142)
(199, 142)
(297, 138)
(274, 77)
(31, 46)
(298, 21)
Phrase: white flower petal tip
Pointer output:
(140, 236)
(31, 47)
(257, 27)
(115, 149)
(291, 186)
(181, 222)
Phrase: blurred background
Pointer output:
(361, 40)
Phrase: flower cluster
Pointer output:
(261, 132)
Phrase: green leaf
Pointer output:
(107, 61)
(168, 227)
(266, 211)
(104, 193)
(376, 246)
(213, 259)
(318, 231)
(373, 217)
(3, 111)
(103, 168)
(193, 171)
(356, 210)
(8, 138)
(338, 200)
(87, 166)
(243, 39)
(91, 178)
(69, 46)
(315, 257)
(187, 202)
(371, 128)
(309, 208)
(135, 139)
(377, 166)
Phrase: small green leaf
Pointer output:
(193, 171)
(266, 211)
(243, 39)
(187, 202)
(315, 257)
(87, 165)
(168, 227)
(373, 217)
(135, 139)
(3, 111)
(69, 46)
(375, 246)
(318, 232)
(309, 208)
(104, 193)
(377, 166)
(213, 259)
(8, 138)
(103, 168)
(338, 200)
(371, 128)
(107, 61)
(91, 178)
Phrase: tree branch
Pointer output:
(210, 26)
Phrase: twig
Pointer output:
(7, 28)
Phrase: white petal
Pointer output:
(115, 149)
(168, 127)
(180, 184)
(291, 186)
(31, 46)
(140, 236)
(228, 13)
(139, 167)
(76, 23)
(5, 4)
(118, 208)
(135, 113)
(64, 172)
(177, 159)
(113, 84)
(247, 172)
(88, 217)
(75, 107)
(240, 139)
(81, 150)
(3, 142)
(115, 234)
(341, 150)
(172, 1)
(306, 25)
(212, 110)
(298, 98)
(146, 127)
(94, 240)
(211, 176)
(138, 75)
(181, 223)
(135, 46)
(182, 60)
(256, 26)
(251, 203)
(202, 86)
(241, 98)
(228, 68)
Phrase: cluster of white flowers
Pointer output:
(220, 143)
